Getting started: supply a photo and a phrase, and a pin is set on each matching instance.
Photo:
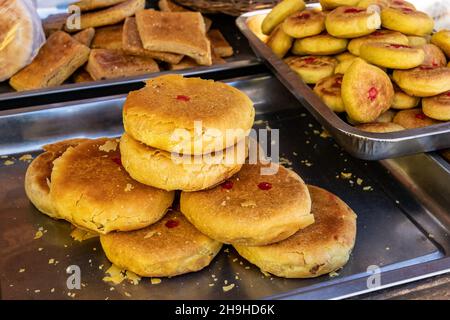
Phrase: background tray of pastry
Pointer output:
(402, 220)
(233, 54)
(360, 144)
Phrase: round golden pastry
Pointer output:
(386, 36)
(320, 248)
(433, 56)
(320, 45)
(91, 189)
(329, 90)
(170, 247)
(407, 21)
(402, 100)
(437, 107)
(367, 91)
(413, 118)
(423, 81)
(312, 68)
(163, 170)
(251, 208)
(367, 3)
(380, 127)
(280, 42)
(188, 115)
(393, 56)
(37, 177)
(442, 40)
(415, 41)
(304, 24)
(280, 12)
(333, 4)
(352, 22)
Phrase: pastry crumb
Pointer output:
(38, 234)
(110, 145)
(333, 274)
(8, 163)
(26, 157)
(346, 175)
(359, 181)
(51, 261)
(21, 270)
(228, 288)
(367, 188)
(155, 280)
(80, 235)
(127, 294)
(128, 187)
(325, 134)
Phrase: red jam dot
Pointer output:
(310, 59)
(265, 185)
(397, 46)
(420, 116)
(353, 10)
(183, 98)
(172, 223)
(117, 160)
(373, 93)
(304, 16)
(228, 185)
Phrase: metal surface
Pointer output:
(394, 229)
(243, 57)
(361, 144)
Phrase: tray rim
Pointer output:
(319, 110)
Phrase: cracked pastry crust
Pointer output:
(37, 177)
(157, 168)
(170, 106)
(91, 189)
(320, 248)
(60, 56)
(177, 32)
(168, 248)
(251, 208)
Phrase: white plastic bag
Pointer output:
(21, 35)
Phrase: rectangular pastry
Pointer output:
(132, 44)
(219, 44)
(169, 6)
(108, 16)
(177, 32)
(60, 56)
(85, 36)
(109, 37)
(109, 64)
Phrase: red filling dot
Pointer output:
(373, 93)
(304, 16)
(397, 46)
(265, 185)
(117, 160)
(310, 59)
(183, 98)
(227, 185)
(421, 116)
(407, 10)
(338, 80)
(172, 223)
(353, 10)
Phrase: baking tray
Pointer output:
(360, 144)
(403, 210)
(243, 58)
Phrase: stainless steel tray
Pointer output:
(400, 228)
(243, 58)
(363, 145)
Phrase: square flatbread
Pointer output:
(108, 16)
(60, 56)
(88, 5)
(109, 64)
(85, 37)
(219, 44)
(109, 37)
(177, 32)
(132, 44)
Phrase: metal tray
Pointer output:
(407, 239)
(243, 58)
(361, 144)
